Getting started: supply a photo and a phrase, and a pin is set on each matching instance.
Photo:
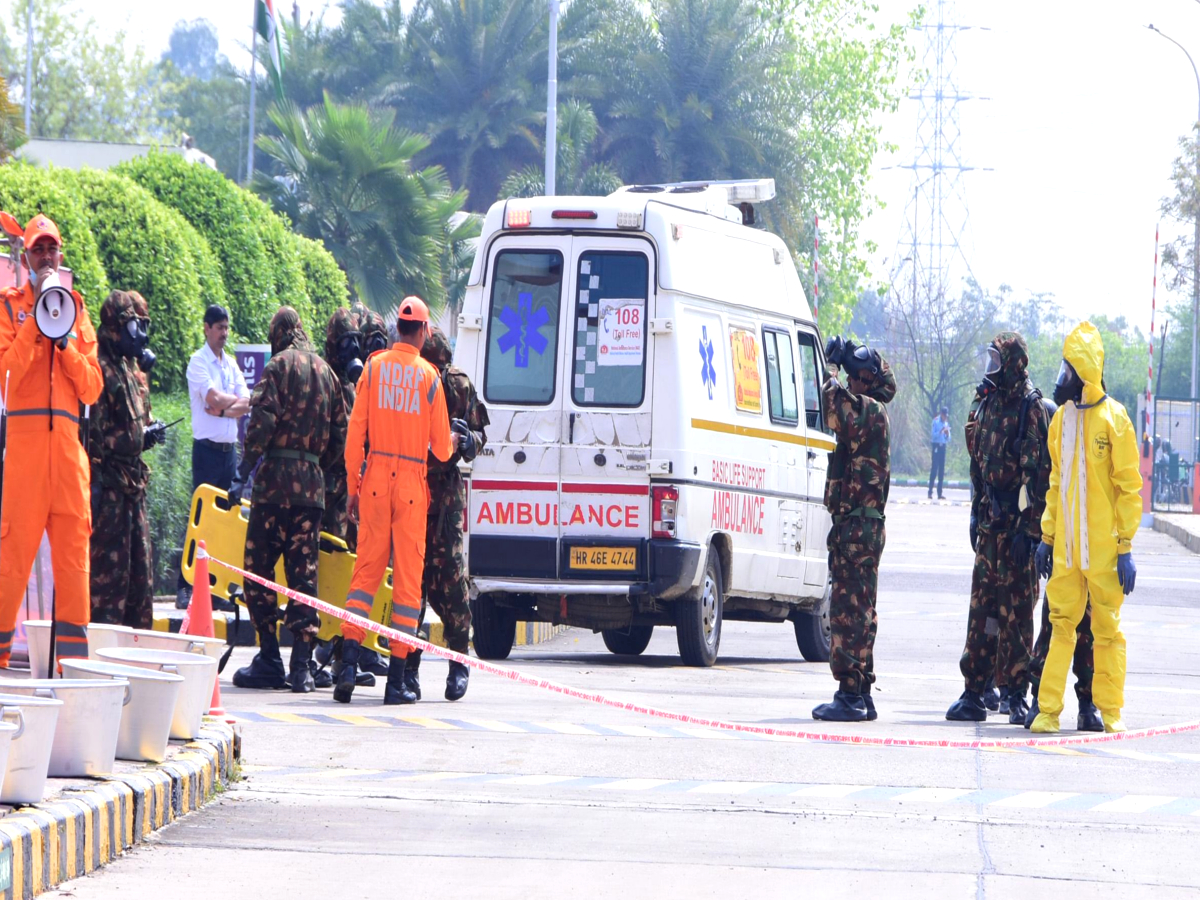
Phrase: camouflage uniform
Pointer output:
(444, 582)
(1007, 455)
(336, 520)
(297, 428)
(856, 491)
(122, 574)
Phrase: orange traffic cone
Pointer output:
(198, 619)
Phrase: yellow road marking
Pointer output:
(289, 718)
(435, 724)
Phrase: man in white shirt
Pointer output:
(219, 397)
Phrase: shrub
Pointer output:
(169, 493)
(288, 286)
(327, 286)
(150, 248)
(216, 207)
(26, 190)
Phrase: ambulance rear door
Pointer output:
(513, 507)
(604, 500)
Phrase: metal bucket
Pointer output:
(37, 633)
(101, 636)
(29, 755)
(199, 676)
(165, 640)
(85, 739)
(146, 721)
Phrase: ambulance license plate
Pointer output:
(606, 559)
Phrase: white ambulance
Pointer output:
(657, 452)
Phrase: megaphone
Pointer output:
(55, 309)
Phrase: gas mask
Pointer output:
(376, 342)
(991, 372)
(1068, 385)
(133, 343)
(860, 359)
(350, 355)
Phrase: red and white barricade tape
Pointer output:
(683, 718)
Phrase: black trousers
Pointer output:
(937, 467)
(211, 466)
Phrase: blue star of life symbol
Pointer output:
(708, 374)
(522, 335)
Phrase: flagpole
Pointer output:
(29, 72)
(253, 84)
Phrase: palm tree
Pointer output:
(473, 79)
(577, 130)
(347, 179)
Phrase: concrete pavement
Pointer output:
(515, 792)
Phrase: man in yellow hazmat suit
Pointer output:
(1092, 510)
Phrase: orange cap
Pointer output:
(39, 227)
(413, 309)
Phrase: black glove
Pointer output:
(154, 435)
(467, 446)
(236, 489)
(974, 531)
(1021, 549)
(1044, 560)
(835, 349)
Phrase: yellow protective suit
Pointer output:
(1093, 509)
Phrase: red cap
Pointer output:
(40, 227)
(413, 309)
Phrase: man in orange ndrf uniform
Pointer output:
(48, 483)
(400, 411)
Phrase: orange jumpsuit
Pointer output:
(401, 412)
(47, 476)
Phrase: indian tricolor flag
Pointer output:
(267, 25)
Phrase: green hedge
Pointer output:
(150, 248)
(26, 190)
(216, 207)
(169, 492)
(287, 273)
(327, 285)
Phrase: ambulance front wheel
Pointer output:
(630, 642)
(698, 620)
(493, 628)
(812, 630)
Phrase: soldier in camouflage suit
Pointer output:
(1006, 435)
(297, 428)
(444, 583)
(856, 491)
(345, 354)
(122, 572)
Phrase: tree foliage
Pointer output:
(12, 130)
(575, 173)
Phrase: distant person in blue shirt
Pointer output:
(939, 436)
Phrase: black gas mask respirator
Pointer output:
(350, 355)
(991, 372)
(376, 342)
(135, 338)
(1068, 385)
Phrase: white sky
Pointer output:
(1085, 110)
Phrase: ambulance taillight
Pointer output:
(664, 500)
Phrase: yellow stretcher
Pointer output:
(223, 531)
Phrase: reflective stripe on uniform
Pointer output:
(404, 618)
(70, 640)
(412, 459)
(432, 392)
(5, 641)
(42, 411)
(360, 603)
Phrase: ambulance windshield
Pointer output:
(523, 327)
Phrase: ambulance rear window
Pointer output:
(522, 347)
(610, 329)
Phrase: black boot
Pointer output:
(871, 714)
(369, 661)
(362, 679)
(845, 707)
(396, 692)
(456, 681)
(412, 673)
(265, 671)
(299, 675)
(1003, 706)
(343, 688)
(1089, 717)
(968, 708)
(321, 676)
(991, 699)
(1033, 712)
(1018, 709)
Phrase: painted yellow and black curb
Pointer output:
(88, 826)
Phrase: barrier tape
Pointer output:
(823, 737)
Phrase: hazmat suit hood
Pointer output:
(1014, 362)
(287, 331)
(1084, 350)
(437, 349)
(880, 384)
(115, 313)
(375, 334)
(341, 323)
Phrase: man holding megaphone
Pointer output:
(48, 368)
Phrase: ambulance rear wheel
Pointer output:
(627, 643)
(494, 628)
(698, 622)
(813, 631)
